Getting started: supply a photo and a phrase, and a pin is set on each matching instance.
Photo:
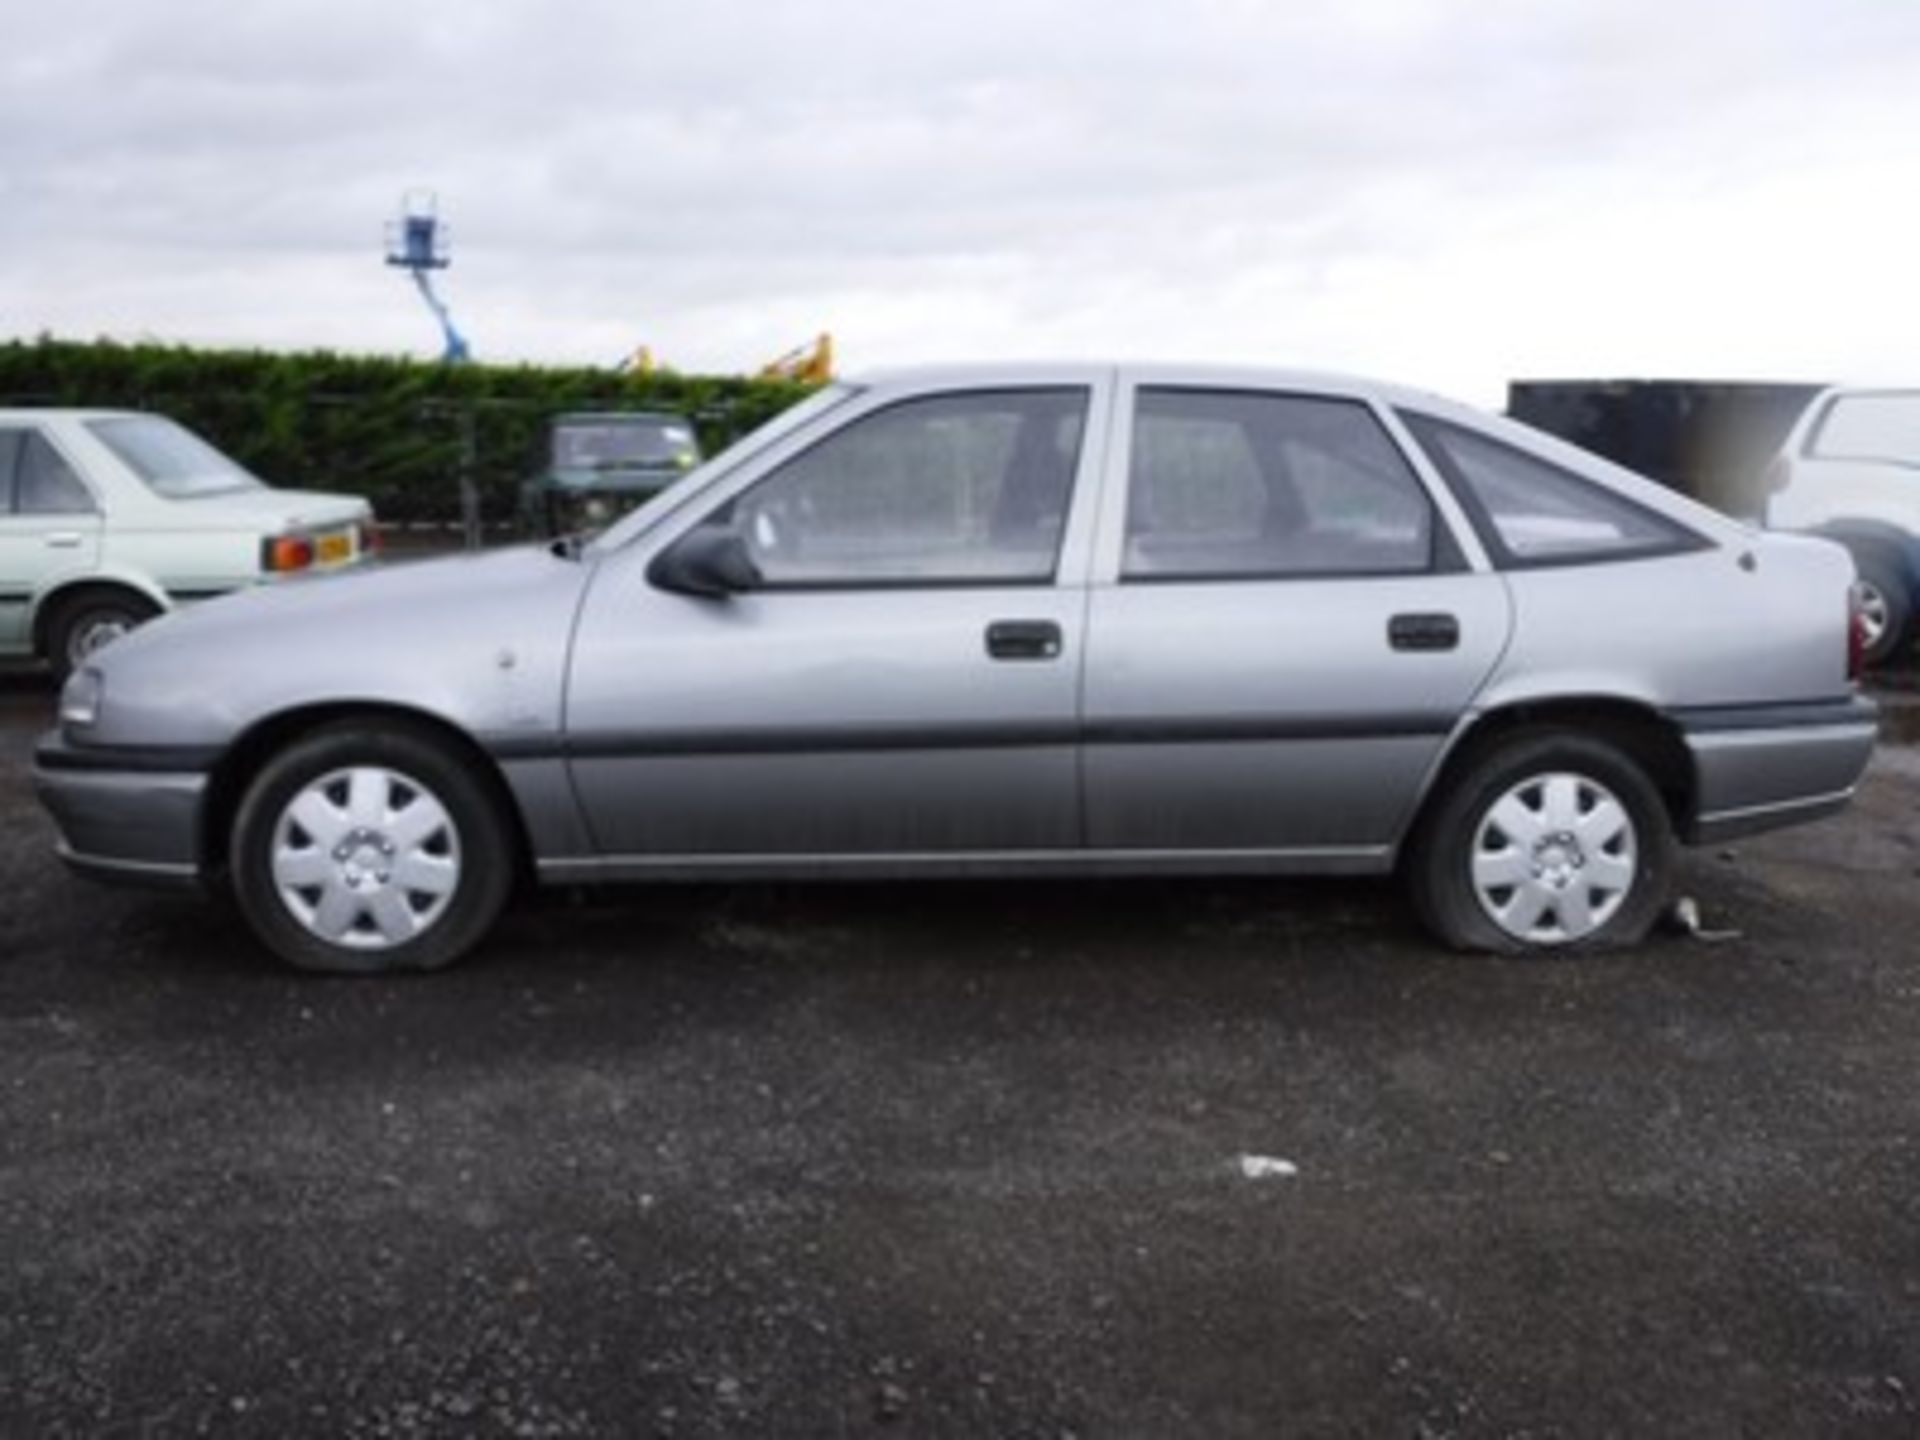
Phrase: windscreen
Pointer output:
(1884, 426)
(172, 460)
(587, 446)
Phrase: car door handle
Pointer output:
(1024, 640)
(1423, 632)
(64, 540)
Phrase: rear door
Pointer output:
(1285, 625)
(905, 680)
(49, 525)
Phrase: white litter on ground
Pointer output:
(1684, 916)
(1266, 1167)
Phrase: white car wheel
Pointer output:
(1543, 839)
(366, 858)
(372, 846)
(1554, 858)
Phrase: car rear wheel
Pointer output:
(1885, 607)
(90, 620)
(1548, 840)
(361, 850)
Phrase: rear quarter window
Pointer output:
(1529, 511)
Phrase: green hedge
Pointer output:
(389, 429)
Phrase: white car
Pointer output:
(108, 518)
(1850, 470)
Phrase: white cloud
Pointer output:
(1452, 193)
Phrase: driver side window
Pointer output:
(963, 488)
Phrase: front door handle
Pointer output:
(1423, 632)
(1024, 640)
(64, 540)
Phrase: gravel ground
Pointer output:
(1012, 1159)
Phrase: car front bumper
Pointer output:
(119, 819)
(1762, 767)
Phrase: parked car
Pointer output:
(1026, 620)
(1850, 470)
(600, 464)
(109, 518)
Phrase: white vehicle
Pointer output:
(1850, 470)
(108, 518)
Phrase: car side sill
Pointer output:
(146, 874)
(591, 869)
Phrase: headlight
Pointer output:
(578, 512)
(80, 699)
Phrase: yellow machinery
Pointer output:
(812, 364)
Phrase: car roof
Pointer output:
(1026, 372)
(17, 413)
(617, 417)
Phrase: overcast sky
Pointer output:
(1449, 192)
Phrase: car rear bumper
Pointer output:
(1762, 767)
(136, 826)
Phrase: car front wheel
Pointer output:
(1548, 840)
(365, 850)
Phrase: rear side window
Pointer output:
(1531, 512)
(1255, 485)
(43, 482)
(1883, 427)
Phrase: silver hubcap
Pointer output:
(1872, 608)
(1554, 858)
(90, 637)
(365, 858)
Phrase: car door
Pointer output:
(904, 679)
(49, 525)
(1286, 624)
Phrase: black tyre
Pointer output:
(1545, 840)
(1884, 600)
(81, 625)
(366, 849)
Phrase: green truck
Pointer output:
(600, 464)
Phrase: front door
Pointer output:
(1287, 634)
(49, 526)
(903, 681)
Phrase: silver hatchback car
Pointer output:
(1036, 620)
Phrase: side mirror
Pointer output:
(711, 561)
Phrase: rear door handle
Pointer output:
(1423, 632)
(64, 540)
(1024, 640)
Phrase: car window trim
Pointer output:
(1444, 554)
(10, 476)
(722, 513)
(827, 587)
(1683, 540)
